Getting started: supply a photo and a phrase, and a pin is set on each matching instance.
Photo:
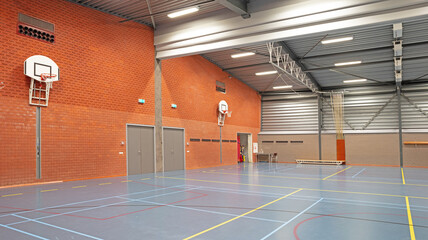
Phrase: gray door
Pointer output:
(173, 149)
(140, 150)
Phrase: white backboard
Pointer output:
(38, 64)
(223, 107)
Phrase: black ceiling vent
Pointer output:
(35, 28)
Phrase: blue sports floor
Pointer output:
(247, 201)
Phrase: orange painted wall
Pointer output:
(106, 67)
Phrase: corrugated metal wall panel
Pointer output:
(365, 112)
(415, 107)
(290, 115)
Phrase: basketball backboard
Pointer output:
(35, 65)
(223, 107)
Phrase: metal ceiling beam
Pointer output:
(295, 58)
(385, 48)
(246, 66)
(238, 6)
(361, 64)
(223, 31)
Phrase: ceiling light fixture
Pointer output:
(266, 73)
(183, 12)
(244, 54)
(336, 40)
(355, 80)
(347, 63)
(283, 87)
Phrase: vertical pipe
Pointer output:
(158, 116)
(319, 126)
(400, 124)
(38, 144)
(221, 151)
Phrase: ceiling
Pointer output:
(372, 44)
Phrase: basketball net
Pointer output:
(337, 102)
(221, 118)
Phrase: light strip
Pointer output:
(336, 40)
(245, 54)
(183, 12)
(266, 73)
(283, 87)
(355, 80)
(347, 63)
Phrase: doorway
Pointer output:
(173, 149)
(245, 142)
(140, 149)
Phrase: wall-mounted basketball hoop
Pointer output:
(223, 110)
(43, 71)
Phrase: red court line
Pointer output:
(338, 214)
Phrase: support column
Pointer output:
(38, 143)
(319, 126)
(158, 116)
(400, 123)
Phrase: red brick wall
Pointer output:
(106, 67)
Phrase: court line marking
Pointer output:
(409, 216)
(61, 228)
(49, 190)
(104, 183)
(283, 225)
(92, 208)
(10, 195)
(24, 232)
(145, 179)
(79, 186)
(336, 173)
(202, 210)
(309, 189)
(402, 176)
(230, 220)
(317, 179)
(92, 200)
(358, 173)
(126, 181)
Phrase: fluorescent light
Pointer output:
(336, 40)
(244, 54)
(283, 87)
(347, 63)
(355, 80)
(183, 12)
(266, 73)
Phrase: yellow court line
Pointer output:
(230, 220)
(336, 173)
(105, 183)
(79, 186)
(309, 189)
(49, 190)
(402, 176)
(409, 215)
(317, 179)
(145, 179)
(127, 181)
(10, 195)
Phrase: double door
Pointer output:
(141, 149)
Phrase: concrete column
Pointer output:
(319, 126)
(400, 124)
(158, 116)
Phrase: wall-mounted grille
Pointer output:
(281, 141)
(215, 140)
(195, 140)
(220, 86)
(35, 28)
(225, 140)
(206, 140)
(296, 141)
(233, 141)
(267, 141)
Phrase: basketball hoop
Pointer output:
(222, 112)
(47, 77)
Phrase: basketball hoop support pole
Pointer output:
(221, 149)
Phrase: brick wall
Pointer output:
(106, 67)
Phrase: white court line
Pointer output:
(283, 225)
(359, 172)
(65, 229)
(27, 233)
(92, 200)
(207, 211)
(92, 208)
